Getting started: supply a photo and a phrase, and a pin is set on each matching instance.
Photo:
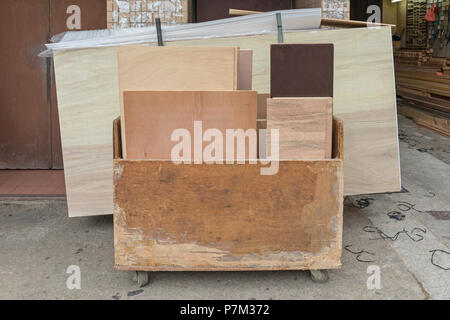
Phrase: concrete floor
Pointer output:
(38, 242)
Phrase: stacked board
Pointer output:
(166, 68)
(152, 118)
(363, 96)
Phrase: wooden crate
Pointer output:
(203, 217)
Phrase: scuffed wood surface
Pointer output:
(88, 102)
(199, 217)
(227, 217)
(304, 124)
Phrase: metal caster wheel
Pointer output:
(141, 278)
(320, 276)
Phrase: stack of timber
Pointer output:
(416, 26)
(424, 88)
(301, 103)
(367, 107)
(414, 56)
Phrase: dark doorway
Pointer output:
(358, 9)
(207, 10)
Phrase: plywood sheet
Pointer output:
(88, 102)
(166, 68)
(301, 70)
(151, 117)
(245, 70)
(364, 97)
(305, 127)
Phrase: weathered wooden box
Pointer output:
(202, 217)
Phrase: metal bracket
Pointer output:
(159, 32)
(279, 27)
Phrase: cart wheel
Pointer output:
(320, 276)
(141, 277)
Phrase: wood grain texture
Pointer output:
(152, 116)
(164, 68)
(227, 217)
(305, 127)
(262, 105)
(301, 70)
(245, 70)
(87, 104)
(364, 98)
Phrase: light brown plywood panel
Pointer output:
(165, 68)
(304, 124)
(152, 116)
(364, 97)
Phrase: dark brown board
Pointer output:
(301, 70)
(208, 10)
(24, 101)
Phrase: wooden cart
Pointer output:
(200, 217)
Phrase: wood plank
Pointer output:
(151, 117)
(301, 70)
(262, 105)
(245, 70)
(227, 217)
(305, 127)
(90, 102)
(165, 68)
(93, 18)
(426, 119)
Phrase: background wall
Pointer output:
(142, 13)
(29, 124)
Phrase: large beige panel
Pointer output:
(88, 102)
